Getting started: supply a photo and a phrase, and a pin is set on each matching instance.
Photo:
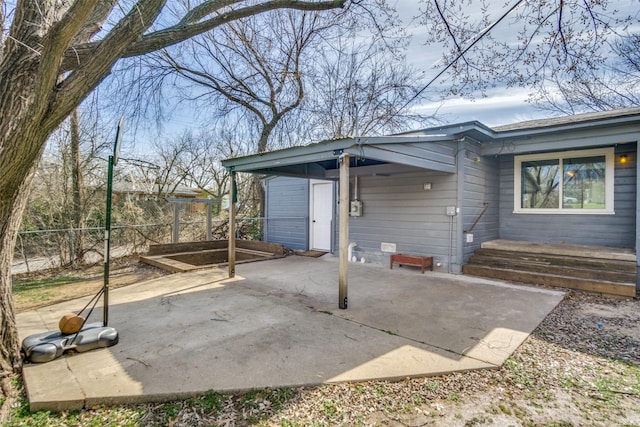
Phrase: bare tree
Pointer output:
(616, 84)
(255, 64)
(200, 154)
(78, 184)
(252, 69)
(523, 44)
(361, 88)
(45, 73)
(63, 194)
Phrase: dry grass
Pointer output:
(42, 288)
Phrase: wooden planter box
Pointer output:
(415, 260)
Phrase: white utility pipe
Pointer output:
(350, 250)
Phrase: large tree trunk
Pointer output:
(12, 204)
(24, 128)
(258, 189)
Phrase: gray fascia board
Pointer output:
(402, 139)
(389, 156)
(559, 143)
(308, 153)
(599, 119)
(383, 170)
(304, 170)
(572, 135)
(473, 129)
(248, 164)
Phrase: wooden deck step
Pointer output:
(168, 264)
(540, 278)
(590, 268)
(561, 260)
(597, 271)
(565, 249)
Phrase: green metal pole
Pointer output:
(107, 244)
(113, 160)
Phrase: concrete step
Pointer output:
(597, 271)
(539, 278)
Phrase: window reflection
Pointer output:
(563, 183)
(540, 184)
(584, 183)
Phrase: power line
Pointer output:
(460, 55)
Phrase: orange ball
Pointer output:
(70, 323)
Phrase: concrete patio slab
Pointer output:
(277, 324)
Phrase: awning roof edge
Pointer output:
(331, 149)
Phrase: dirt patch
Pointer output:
(598, 325)
(617, 316)
(34, 290)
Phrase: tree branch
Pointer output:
(95, 21)
(105, 54)
(445, 21)
(182, 31)
(57, 41)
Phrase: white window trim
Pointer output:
(608, 179)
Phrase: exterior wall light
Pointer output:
(623, 158)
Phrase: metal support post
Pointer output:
(343, 263)
(176, 223)
(209, 216)
(232, 224)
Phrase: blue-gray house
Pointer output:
(445, 192)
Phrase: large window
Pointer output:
(567, 182)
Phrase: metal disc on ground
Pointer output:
(70, 323)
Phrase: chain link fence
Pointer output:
(44, 249)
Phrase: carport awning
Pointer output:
(369, 155)
(434, 149)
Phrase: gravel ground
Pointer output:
(581, 367)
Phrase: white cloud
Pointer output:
(501, 106)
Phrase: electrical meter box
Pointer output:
(355, 208)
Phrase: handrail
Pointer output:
(486, 206)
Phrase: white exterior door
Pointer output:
(321, 210)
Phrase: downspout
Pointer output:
(265, 220)
(460, 176)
